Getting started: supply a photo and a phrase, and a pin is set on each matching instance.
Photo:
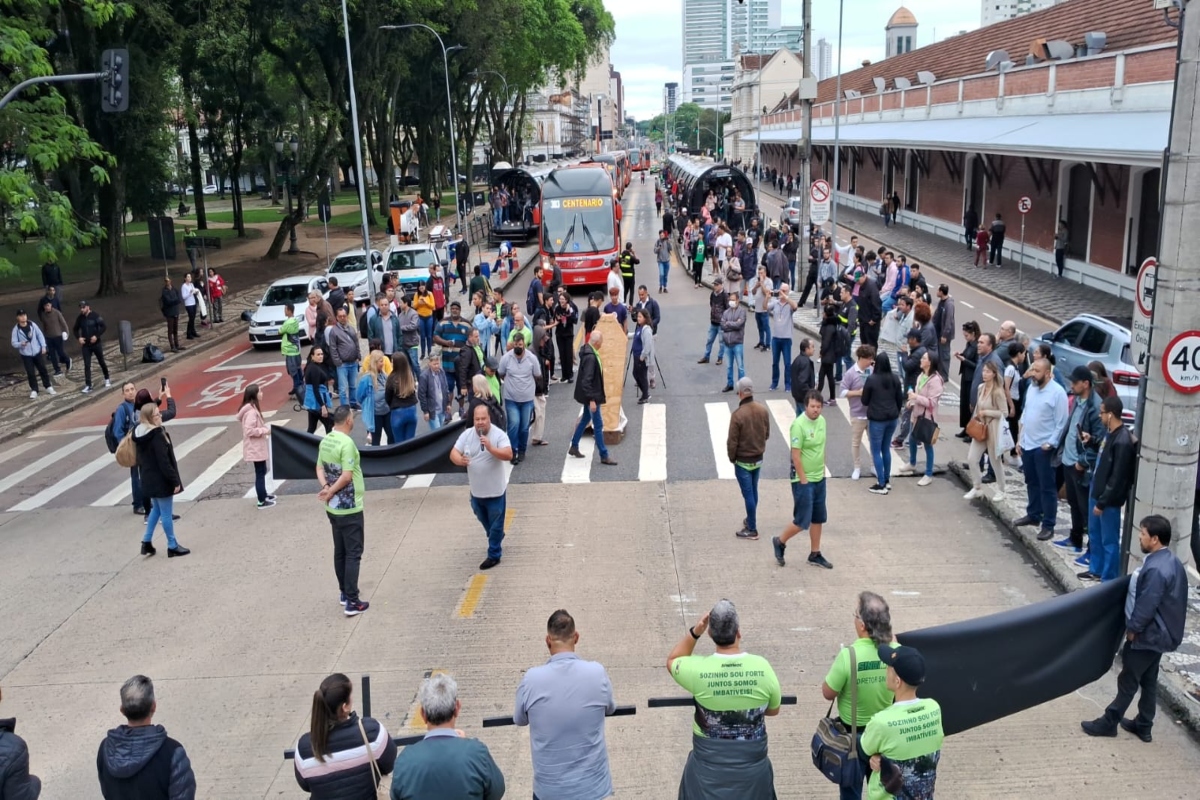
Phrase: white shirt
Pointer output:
(188, 293)
(614, 280)
(724, 243)
(485, 473)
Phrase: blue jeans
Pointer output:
(781, 349)
(161, 508)
(734, 351)
(889, 303)
(1104, 541)
(748, 482)
(519, 415)
(414, 360)
(879, 434)
(426, 331)
(1042, 506)
(497, 216)
(664, 267)
(597, 421)
(347, 380)
(490, 513)
(436, 421)
(403, 422)
(763, 320)
(912, 454)
(713, 332)
(792, 273)
(135, 480)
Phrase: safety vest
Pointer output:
(626, 265)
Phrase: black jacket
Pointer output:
(350, 777)
(467, 367)
(882, 394)
(170, 302)
(589, 381)
(156, 461)
(89, 325)
(912, 366)
(1114, 469)
(1160, 603)
(15, 781)
(51, 274)
(829, 339)
(804, 377)
(717, 301)
(870, 306)
(337, 299)
(143, 763)
(966, 367)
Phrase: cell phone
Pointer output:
(162, 383)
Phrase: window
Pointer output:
(1070, 333)
(1093, 340)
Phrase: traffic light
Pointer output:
(114, 83)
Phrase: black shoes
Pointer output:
(574, 451)
(489, 562)
(1099, 727)
(818, 560)
(1131, 726)
(148, 549)
(1045, 534)
(608, 461)
(1025, 520)
(778, 547)
(746, 533)
(703, 360)
(516, 459)
(728, 387)
(178, 550)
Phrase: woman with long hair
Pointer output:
(991, 407)
(400, 393)
(318, 391)
(160, 478)
(642, 354)
(883, 398)
(1104, 385)
(424, 303)
(326, 764)
(254, 441)
(371, 395)
(967, 362)
(924, 402)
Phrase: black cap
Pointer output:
(907, 661)
(20, 312)
(914, 333)
(84, 304)
(1081, 373)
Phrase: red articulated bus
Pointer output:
(580, 222)
(638, 161)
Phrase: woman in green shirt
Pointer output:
(873, 629)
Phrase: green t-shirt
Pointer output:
(732, 693)
(337, 454)
(911, 735)
(873, 694)
(808, 436)
(524, 333)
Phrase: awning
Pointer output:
(1122, 138)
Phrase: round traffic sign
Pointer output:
(820, 190)
(1181, 362)
(1024, 204)
(1147, 277)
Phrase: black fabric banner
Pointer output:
(983, 669)
(294, 454)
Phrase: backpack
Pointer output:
(110, 434)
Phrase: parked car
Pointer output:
(266, 319)
(790, 215)
(211, 189)
(1087, 338)
(410, 263)
(351, 270)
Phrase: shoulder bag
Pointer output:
(376, 774)
(127, 451)
(834, 749)
(977, 429)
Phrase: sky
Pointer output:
(648, 47)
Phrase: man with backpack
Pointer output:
(124, 420)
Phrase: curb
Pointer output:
(1172, 688)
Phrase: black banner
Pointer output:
(980, 670)
(294, 454)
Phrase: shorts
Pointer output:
(808, 504)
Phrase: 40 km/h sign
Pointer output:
(1181, 362)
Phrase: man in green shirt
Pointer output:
(908, 733)
(289, 348)
(339, 471)
(807, 437)
(734, 692)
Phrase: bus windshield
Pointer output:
(578, 225)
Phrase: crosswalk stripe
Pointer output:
(121, 490)
(419, 481)
(579, 470)
(784, 414)
(652, 465)
(16, 450)
(227, 461)
(272, 484)
(66, 484)
(23, 473)
(718, 431)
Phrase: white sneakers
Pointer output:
(33, 395)
(925, 480)
(107, 383)
(856, 474)
(907, 469)
(50, 389)
(998, 496)
(971, 495)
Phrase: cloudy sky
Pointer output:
(648, 48)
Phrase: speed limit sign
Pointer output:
(1181, 362)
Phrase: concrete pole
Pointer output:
(837, 136)
(806, 160)
(1169, 439)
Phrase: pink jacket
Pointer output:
(254, 433)
(925, 401)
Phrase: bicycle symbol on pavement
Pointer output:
(229, 388)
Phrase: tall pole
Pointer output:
(360, 178)
(1167, 465)
(837, 139)
(806, 162)
(453, 134)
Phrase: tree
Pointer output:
(39, 137)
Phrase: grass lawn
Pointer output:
(84, 264)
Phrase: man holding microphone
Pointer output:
(483, 449)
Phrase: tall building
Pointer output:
(901, 31)
(1000, 10)
(824, 54)
(670, 97)
(714, 33)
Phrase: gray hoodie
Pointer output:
(520, 376)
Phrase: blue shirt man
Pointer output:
(1042, 424)
(564, 703)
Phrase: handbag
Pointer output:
(375, 771)
(926, 431)
(834, 750)
(313, 402)
(733, 275)
(127, 451)
(1006, 440)
(977, 429)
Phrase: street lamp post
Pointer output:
(360, 177)
(449, 108)
(287, 163)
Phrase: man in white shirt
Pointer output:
(483, 449)
(724, 246)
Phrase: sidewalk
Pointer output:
(20, 416)
(1052, 298)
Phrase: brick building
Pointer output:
(1069, 106)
